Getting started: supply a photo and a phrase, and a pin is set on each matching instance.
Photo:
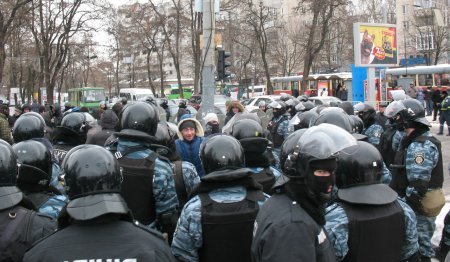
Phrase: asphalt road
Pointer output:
(445, 142)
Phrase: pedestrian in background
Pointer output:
(190, 137)
(428, 101)
(445, 114)
(437, 99)
(5, 129)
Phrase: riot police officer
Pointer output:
(97, 224)
(289, 225)
(35, 174)
(71, 133)
(148, 185)
(278, 126)
(32, 126)
(419, 172)
(371, 129)
(368, 222)
(250, 135)
(20, 224)
(217, 223)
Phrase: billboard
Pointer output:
(375, 45)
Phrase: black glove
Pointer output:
(414, 201)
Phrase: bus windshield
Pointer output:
(94, 95)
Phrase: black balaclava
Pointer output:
(313, 194)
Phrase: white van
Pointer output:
(135, 94)
(255, 91)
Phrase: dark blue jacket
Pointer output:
(190, 152)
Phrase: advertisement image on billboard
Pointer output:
(375, 44)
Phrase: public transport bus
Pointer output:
(89, 97)
(292, 84)
(421, 76)
(175, 92)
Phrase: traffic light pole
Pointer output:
(208, 81)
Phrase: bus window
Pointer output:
(94, 95)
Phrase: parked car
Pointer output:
(254, 101)
(321, 100)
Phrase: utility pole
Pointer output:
(209, 46)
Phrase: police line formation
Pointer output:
(312, 184)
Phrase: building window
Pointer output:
(425, 41)
(405, 9)
(406, 25)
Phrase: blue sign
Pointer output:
(414, 61)
(359, 74)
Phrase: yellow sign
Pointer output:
(375, 45)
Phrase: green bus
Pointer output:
(89, 97)
(175, 92)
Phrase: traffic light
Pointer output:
(222, 65)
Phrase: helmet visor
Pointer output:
(398, 94)
(359, 106)
(393, 108)
(325, 140)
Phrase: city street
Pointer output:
(445, 141)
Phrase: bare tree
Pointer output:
(288, 51)
(322, 12)
(10, 11)
(54, 24)
(172, 20)
(195, 31)
(262, 21)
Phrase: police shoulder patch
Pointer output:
(419, 158)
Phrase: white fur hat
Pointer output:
(211, 117)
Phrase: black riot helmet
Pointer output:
(139, 118)
(359, 174)
(90, 170)
(220, 152)
(93, 181)
(76, 122)
(347, 107)
(278, 107)
(10, 195)
(320, 142)
(357, 124)
(251, 136)
(166, 136)
(35, 163)
(246, 128)
(366, 113)
(289, 145)
(302, 98)
(413, 113)
(305, 120)
(335, 117)
(28, 126)
(8, 165)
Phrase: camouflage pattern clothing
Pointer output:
(282, 129)
(387, 176)
(397, 139)
(373, 134)
(337, 228)
(276, 173)
(421, 159)
(5, 129)
(188, 239)
(166, 200)
(54, 205)
(190, 176)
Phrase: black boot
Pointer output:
(441, 130)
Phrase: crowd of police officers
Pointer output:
(313, 184)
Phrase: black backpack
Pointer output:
(19, 229)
